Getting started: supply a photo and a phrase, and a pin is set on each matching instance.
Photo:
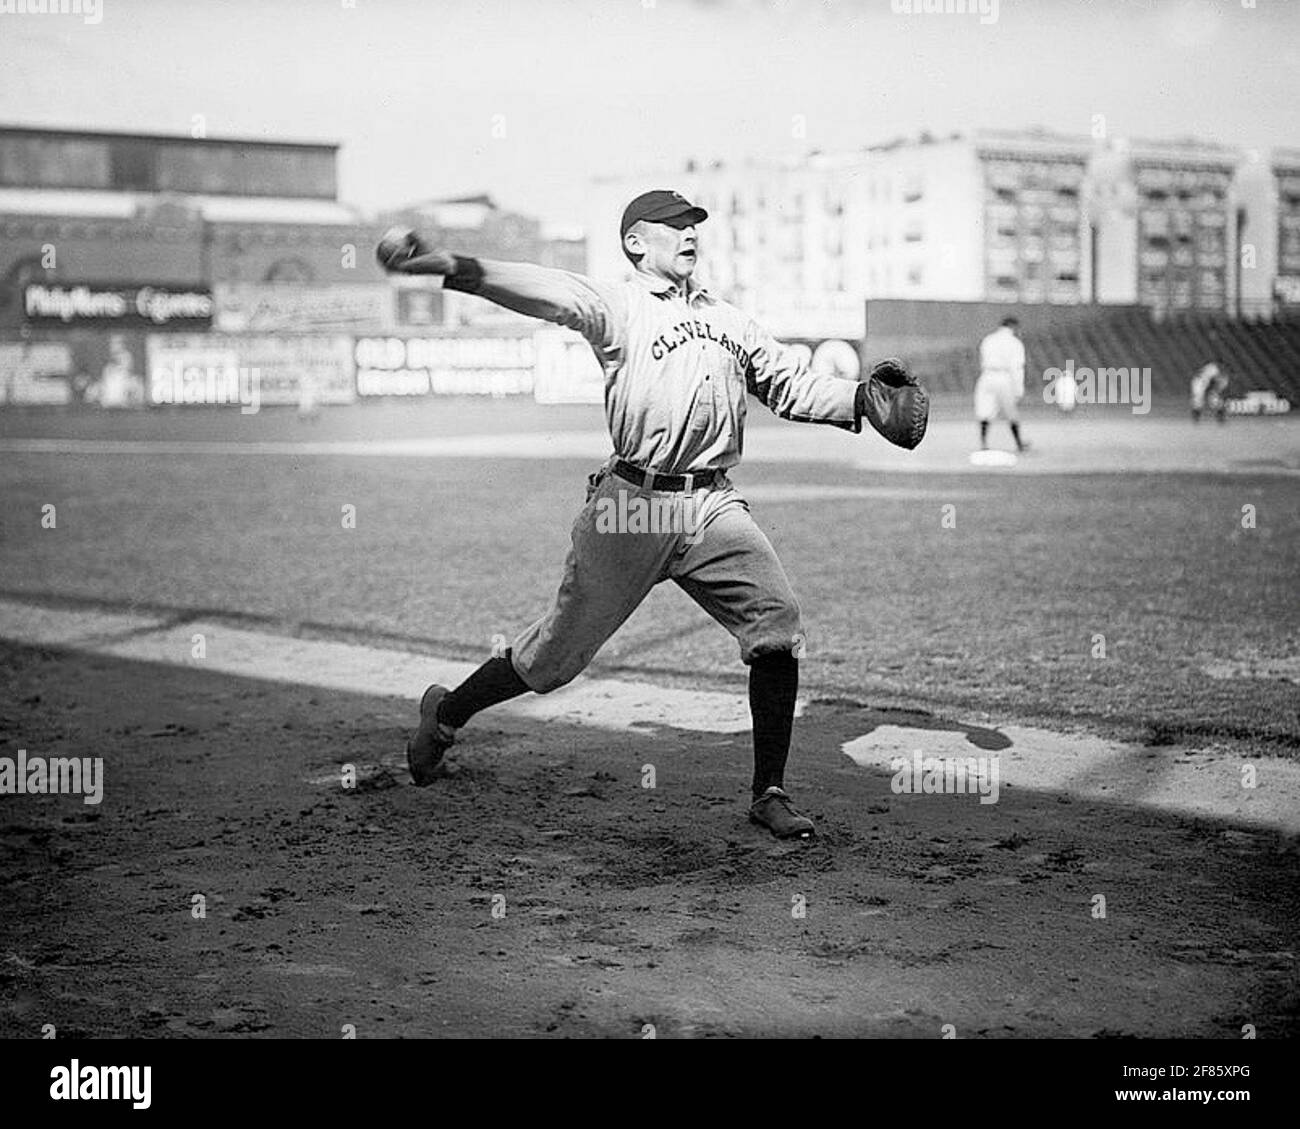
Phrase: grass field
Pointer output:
(999, 614)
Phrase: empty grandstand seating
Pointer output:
(1254, 354)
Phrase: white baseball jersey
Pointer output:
(677, 364)
(1003, 352)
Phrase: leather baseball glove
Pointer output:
(894, 404)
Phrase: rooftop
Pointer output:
(57, 134)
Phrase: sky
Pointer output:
(529, 101)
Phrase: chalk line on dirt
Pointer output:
(1205, 782)
(357, 669)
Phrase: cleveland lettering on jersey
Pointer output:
(685, 331)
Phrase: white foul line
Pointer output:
(1039, 760)
(358, 669)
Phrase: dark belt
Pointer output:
(648, 480)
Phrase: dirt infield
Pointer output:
(619, 906)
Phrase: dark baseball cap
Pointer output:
(661, 206)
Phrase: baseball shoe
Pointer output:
(425, 749)
(774, 811)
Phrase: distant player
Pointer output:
(119, 385)
(1200, 386)
(1210, 392)
(1065, 392)
(1001, 382)
(678, 365)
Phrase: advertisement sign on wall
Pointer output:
(249, 371)
(810, 313)
(108, 305)
(35, 372)
(832, 357)
(469, 312)
(103, 369)
(267, 308)
(419, 308)
(567, 371)
(444, 366)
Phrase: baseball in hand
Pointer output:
(396, 245)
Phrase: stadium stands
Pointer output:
(1255, 354)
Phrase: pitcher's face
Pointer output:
(668, 250)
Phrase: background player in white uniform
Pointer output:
(1065, 392)
(1209, 390)
(1001, 382)
(678, 366)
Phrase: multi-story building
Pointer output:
(1002, 216)
(1034, 224)
(143, 209)
(1186, 225)
(988, 216)
(1286, 173)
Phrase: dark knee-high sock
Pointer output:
(1015, 434)
(773, 687)
(984, 433)
(495, 681)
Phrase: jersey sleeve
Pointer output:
(780, 377)
(596, 311)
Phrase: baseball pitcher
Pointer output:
(678, 365)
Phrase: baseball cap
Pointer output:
(661, 205)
